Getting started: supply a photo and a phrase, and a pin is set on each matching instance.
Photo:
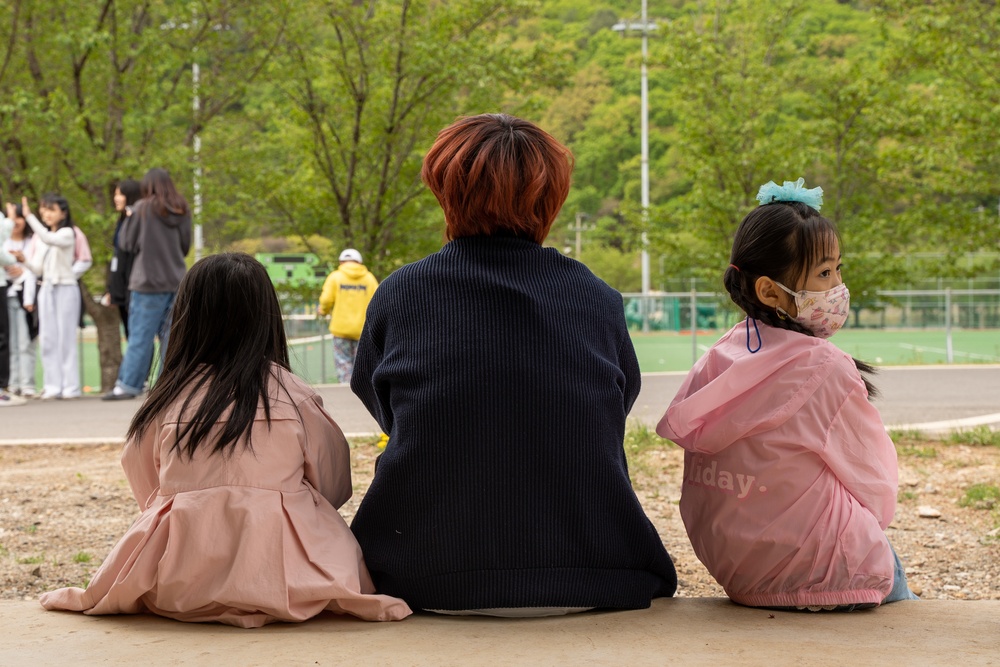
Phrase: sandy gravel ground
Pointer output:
(63, 508)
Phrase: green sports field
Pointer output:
(902, 347)
(312, 359)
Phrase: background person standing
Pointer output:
(159, 237)
(60, 256)
(21, 316)
(119, 271)
(345, 296)
(6, 260)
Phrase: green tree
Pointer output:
(98, 91)
(355, 98)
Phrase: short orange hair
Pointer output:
(497, 174)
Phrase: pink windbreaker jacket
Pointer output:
(789, 475)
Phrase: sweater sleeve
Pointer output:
(369, 357)
(633, 377)
(326, 452)
(862, 456)
(33, 259)
(61, 238)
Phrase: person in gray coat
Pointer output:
(159, 237)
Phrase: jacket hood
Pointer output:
(174, 220)
(353, 270)
(170, 219)
(732, 393)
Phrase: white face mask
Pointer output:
(823, 313)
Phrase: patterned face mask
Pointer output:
(823, 313)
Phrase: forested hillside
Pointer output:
(313, 116)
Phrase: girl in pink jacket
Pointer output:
(789, 476)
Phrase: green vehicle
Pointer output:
(294, 269)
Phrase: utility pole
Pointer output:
(644, 28)
(579, 229)
(199, 241)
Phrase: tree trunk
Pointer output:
(109, 337)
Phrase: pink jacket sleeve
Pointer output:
(141, 462)
(862, 456)
(327, 455)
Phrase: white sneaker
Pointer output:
(10, 400)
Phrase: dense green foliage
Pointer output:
(314, 115)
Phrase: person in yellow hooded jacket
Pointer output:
(345, 296)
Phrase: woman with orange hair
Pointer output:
(503, 373)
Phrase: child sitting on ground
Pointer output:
(789, 476)
(238, 471)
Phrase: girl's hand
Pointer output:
(18, 255)
(11, 210)
(15, 271)
(25, 207)
(30, 307)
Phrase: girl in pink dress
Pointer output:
(238, 471)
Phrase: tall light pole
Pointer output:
(199, 241)
(579, 229)
(644, 27)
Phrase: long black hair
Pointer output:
(783, 241)
(226, 337)
(27, 230)
(53, 200)
(160, 189)
(131, 189)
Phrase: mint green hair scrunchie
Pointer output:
(771, 193)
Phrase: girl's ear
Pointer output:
(768, 293)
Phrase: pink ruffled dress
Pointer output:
(246, 540)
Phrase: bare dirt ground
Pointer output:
(63, 508)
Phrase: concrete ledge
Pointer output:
(687, 631)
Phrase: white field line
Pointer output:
(940, 350)
(948, 424)
(306, 340)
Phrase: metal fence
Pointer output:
(940, 309)
(914, 309)
(946, 309)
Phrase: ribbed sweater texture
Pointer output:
(503, 373)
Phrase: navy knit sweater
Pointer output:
(503, 373)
